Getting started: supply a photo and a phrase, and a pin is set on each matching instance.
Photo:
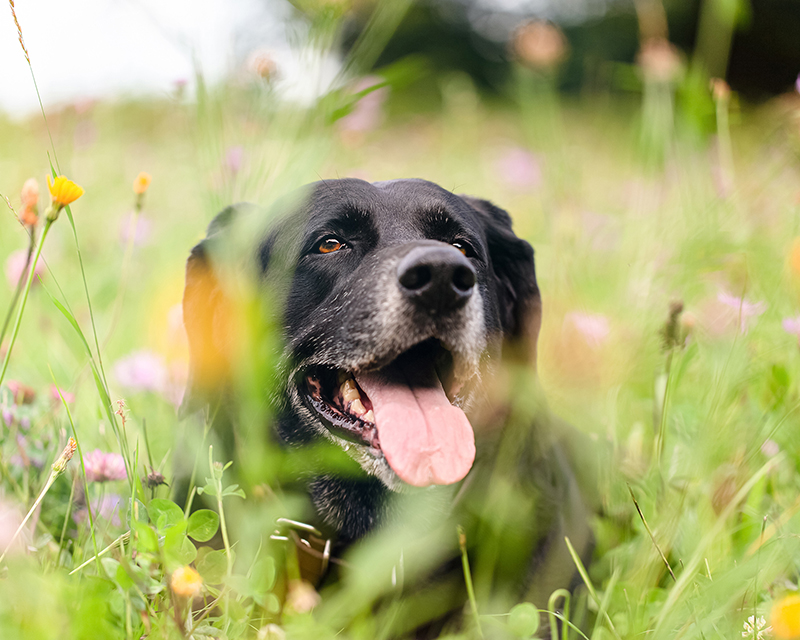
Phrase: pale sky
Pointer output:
(84, 49)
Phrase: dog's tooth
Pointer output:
(357, 407)
(369, 416)
(349, 390)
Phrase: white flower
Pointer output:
(756, 629)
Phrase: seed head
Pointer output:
(66, 455)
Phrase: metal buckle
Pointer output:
(291, 530)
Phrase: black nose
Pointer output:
(438, 278)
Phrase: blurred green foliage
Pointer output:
(632, 201)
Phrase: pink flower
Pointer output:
(103, 467)
(10, 519)
(593, 328)
(770, 448)
(792, 325)
(107, 508)
(140, 230)
(233, 159)
(367, 113)
(519, 169)
(797, 84)
(15, 267)
(744, 308)
(55, 397)
(142, 371)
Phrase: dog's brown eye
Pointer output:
(329, 245)
(461, 247)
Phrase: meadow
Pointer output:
(666, 224)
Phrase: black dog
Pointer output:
(411, 318)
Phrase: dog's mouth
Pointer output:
(402, 411)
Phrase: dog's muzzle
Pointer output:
(438, 278)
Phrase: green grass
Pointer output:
(619, 235)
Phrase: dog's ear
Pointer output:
(518, 293)
(209, 315)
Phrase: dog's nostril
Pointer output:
(464, 279)
(416, 277)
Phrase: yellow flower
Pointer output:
(63, 191)
(785, 618)
(794, 257)
(141, 183)
(186, 582)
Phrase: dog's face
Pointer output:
(402, 297)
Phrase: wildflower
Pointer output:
(233, 159)
(794, 255)
(756, 629)
(107, 508)
(155, 479)
(104, 467)
(30, 202)
(593, 328)
(141, 183)
(62, 192)
(142, 370)
(659, 60)
(519, 168)
(797, 84)
(671, 331)
(186, 582)
(743, 307)
(539, 45)
(262, 64)
(21, 393)
(10, 520)
(30, 193)
(17, 267)
(271, 632)
(56, 397)
(770, 448)
(367, 113)
(785, 617)
(66, 455)
(302, 597)
(720, 90)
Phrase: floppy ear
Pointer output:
(517, 292)
(209, 317)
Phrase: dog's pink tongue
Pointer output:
(426, 440)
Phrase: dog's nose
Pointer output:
(437, 278)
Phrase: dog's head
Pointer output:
(401, 296)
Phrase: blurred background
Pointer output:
(105, 48)
(648, 149)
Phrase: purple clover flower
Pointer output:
(104, 467)
(745, 309)
(142, 371)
